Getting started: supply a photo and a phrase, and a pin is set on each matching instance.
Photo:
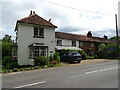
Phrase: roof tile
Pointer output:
(35, 19)
(69, 36)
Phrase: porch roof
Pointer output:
(67, 47)
(37, 44)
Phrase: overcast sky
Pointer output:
(71, 16)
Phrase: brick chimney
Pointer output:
(105, 37)
(30, 12)
(89, 34)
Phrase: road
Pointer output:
(93, 75)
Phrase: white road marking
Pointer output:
(30, 84)
(100, 70)
(76, 76)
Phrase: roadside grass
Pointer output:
(5, 70)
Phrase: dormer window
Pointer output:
(38, 32)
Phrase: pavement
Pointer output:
(87, 74)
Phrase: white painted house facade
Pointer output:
(35, 37)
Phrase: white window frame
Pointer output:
(40, 32)
(59, 43)
(73, 43)
(39, 51)
(14, 51)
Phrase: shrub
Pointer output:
(56, 56)
(41, 61)
(107, 51)
(8, 63)
(6, 60)
(51, 57)
(12, 65)
(83, 54)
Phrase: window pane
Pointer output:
(36, 53)
(59, 42)
(41, 33)
(35, 31)
(73, 43)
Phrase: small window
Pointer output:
(73, 43)
(92, 45)
(35, 31)
(59, 42)
(36, 54)
(38, 32)
(80, 43)
(14, 51)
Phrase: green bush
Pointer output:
(6, 60)
(12, 65)
(107, 51)
(56, 56)
(8, 63)
(41, 61)
(51, 57)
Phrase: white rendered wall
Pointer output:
(66, 42)
(25, 38)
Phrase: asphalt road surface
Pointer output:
(97, 75)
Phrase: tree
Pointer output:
(7, 46)
(107, 51)
(115, 38)
(7, 38)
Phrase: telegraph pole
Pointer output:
(117, 52)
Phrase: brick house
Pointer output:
(86, 42)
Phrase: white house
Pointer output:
(35, 37)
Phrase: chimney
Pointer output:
(105, 37)
(30, 12)
(49, 20)
(33, 12)
(89, 34)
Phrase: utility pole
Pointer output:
(117, 52)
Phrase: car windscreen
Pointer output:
(74, 54)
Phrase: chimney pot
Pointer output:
(50, 20)
(30, 12)
(33, 12)
(105, 37)
(89, 34)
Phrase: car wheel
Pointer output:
(79, 61)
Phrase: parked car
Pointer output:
(71, 57)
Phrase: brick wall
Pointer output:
(90, 50)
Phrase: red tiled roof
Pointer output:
(69, 36)
(37, 20)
